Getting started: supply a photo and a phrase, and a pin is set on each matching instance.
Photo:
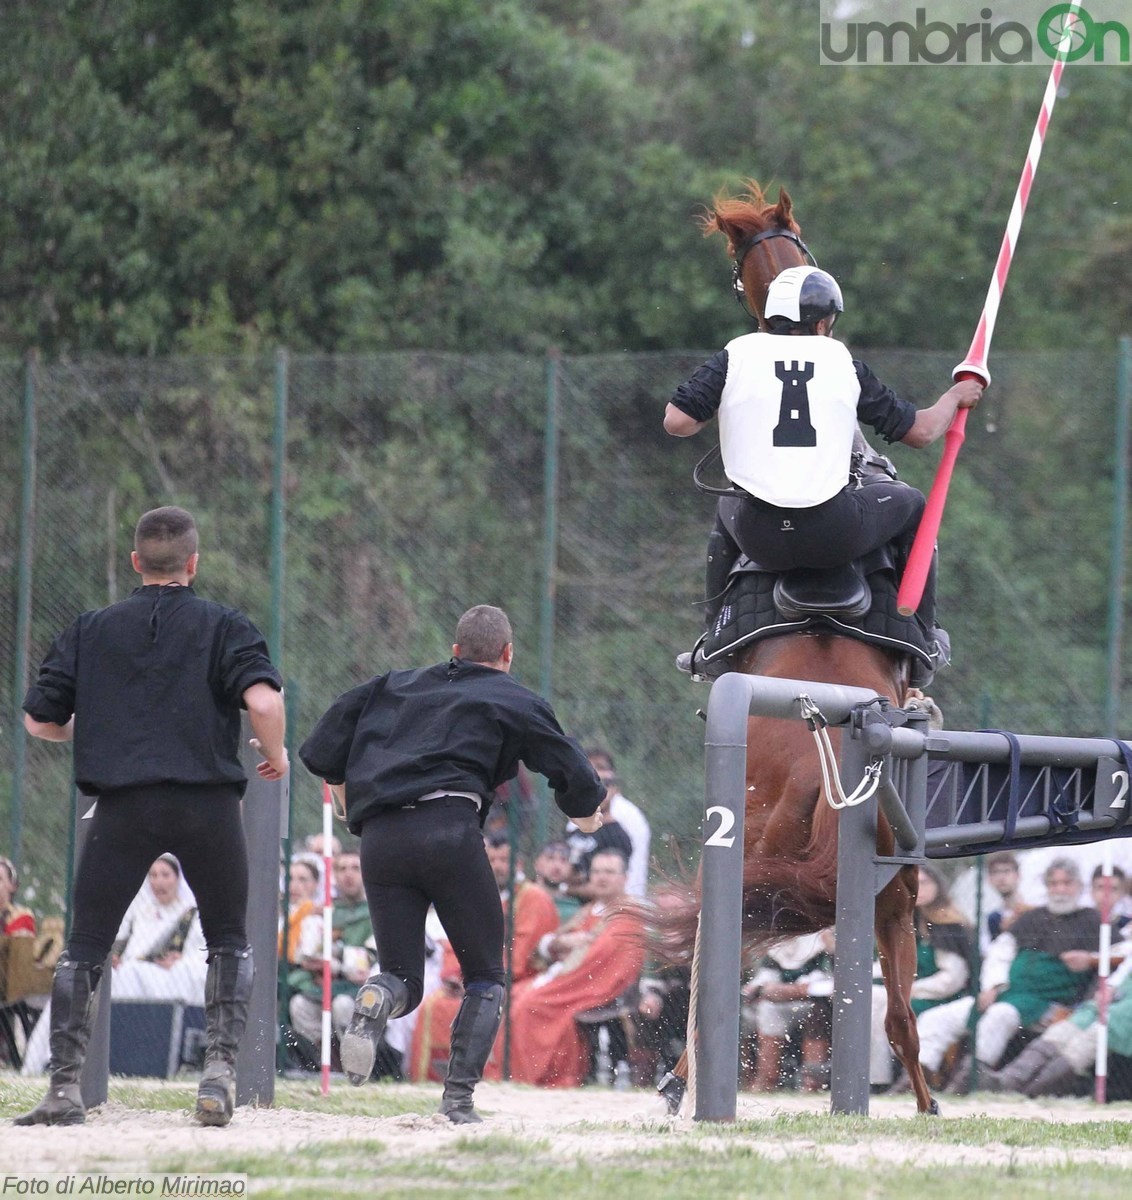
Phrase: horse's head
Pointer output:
(763, 239)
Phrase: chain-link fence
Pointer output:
(354, 506)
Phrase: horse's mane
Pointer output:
(738, 217)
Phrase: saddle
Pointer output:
(857, 601)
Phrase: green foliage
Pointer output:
(513, 174)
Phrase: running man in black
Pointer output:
(415, 756)
(150, 691)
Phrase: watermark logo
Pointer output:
(951, 34)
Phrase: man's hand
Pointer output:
(273, 766)
(1079, 960)
(589, 824)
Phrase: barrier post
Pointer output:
(853, 958)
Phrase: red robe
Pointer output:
(535, 916)
(547, 1048)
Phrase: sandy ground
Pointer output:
(117, 1138)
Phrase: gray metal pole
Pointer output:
(853, 958)
(95, 1079)
(265, 814)
(721, 930)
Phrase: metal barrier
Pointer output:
(987, 789)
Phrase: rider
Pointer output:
(788, 414)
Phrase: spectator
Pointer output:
(593, 960)
(303, 900)
(788, 998)
(629, 817)
(943, 965)
(553, 870)
(1056, 1063)
(15, 920)
(158, 954)
(1034, 863)
(352, 955)
(535, 916)
(1043, 962)
(1004, 875)
(1112, 899)
(583, 845)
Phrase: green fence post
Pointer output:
(1119, 526)
(549, 556)
(23, 608)
(278, 506)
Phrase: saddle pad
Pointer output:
(748, 614)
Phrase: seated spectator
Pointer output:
(553, 870)
(15, 920)
(352, 955)
(1003, 874)
(789, 998)
(534, 917)
(583, 846)
(1040, 965)
(943, 965)
(304, 900)
(1112, 900)
(159, 953)
(626, 814)
(593, 959)
(1064, 1057)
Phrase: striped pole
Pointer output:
(1104, 969)
(327, 930)
(974, 366)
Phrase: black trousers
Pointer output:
(201, 825)
(832, 534)
(432, 853)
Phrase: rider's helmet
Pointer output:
(799, 297)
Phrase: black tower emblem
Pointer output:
(794, 428)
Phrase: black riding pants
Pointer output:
(850, 524)
(201, 825)
(432, 853)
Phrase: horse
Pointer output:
(790, 836)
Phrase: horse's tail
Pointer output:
(671, 921)
(784, 897)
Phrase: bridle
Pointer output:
(748, 244)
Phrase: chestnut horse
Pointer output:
(790, 839)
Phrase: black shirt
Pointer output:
(456, 726)
(155, 684)
(878, 406)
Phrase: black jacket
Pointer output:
(458, 726)
(155, 684)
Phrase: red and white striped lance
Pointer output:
(975, 364)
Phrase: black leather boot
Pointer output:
(227, 990)
(380, 999)
(473, 1035)
(73, 991)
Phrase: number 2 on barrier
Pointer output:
(1120, 778)
(726, 824)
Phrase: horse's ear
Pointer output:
(784, 212)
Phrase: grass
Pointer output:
(782, 1157)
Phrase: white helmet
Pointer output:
(802, 296)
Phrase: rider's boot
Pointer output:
(473, 1036)
(722, 553)
(227, 992)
